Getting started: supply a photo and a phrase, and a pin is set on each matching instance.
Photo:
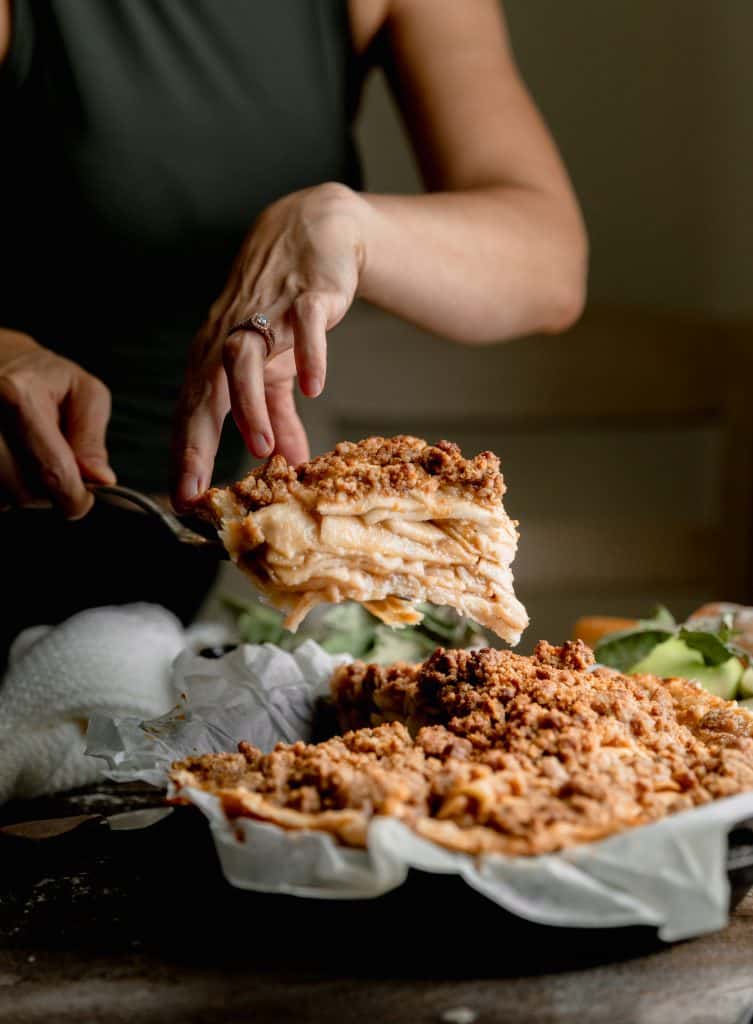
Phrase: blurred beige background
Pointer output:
(627, 501)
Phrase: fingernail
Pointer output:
(79, 513)
(315, 386)
(103, 472)
(261, 444)
(189, 487)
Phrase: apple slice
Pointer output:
(746, 682)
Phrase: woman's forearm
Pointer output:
(476, 266)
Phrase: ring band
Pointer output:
(260, 323)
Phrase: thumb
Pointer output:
(86, 416)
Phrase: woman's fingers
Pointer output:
(259, 393)
(265, 412)
(86, 414)
(53, 462)
(244, 356)
(53, 416)
(310, 318)
(195, 440)
(289, 432)
(13, 488)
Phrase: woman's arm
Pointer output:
(497, 248)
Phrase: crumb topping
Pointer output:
(390, 466)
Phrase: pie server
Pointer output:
(182, 531)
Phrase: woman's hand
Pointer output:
(300, 266)
(53, 419)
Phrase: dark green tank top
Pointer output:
(140, 139)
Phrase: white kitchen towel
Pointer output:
(113, 660)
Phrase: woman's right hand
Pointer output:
(53, 419)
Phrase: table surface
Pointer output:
(140, 927)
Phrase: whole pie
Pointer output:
(387, 522)
(489, 751)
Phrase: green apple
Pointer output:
(746, 682)
(673, 657)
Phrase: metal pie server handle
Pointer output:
(182, 533)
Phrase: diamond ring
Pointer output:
(260, 323)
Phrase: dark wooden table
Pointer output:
(140, 927)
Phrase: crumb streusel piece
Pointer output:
(387, 522)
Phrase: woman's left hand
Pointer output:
(300, 266)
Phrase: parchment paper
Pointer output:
(671, 874)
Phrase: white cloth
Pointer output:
(113, 660)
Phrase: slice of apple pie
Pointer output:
(387, 522)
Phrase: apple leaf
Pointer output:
(624, 649)
(713, 647)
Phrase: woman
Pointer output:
(151, 144)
